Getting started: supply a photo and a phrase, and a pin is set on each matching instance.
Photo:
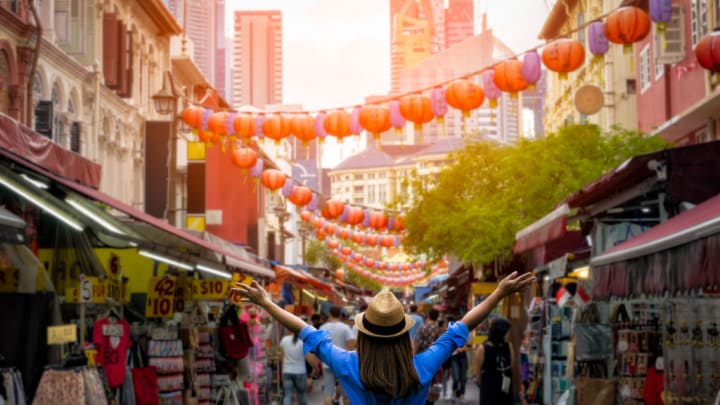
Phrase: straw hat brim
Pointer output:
(409, 323)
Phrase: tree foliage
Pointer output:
(474, 207)
(318, 254)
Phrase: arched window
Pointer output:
(57, 124)
(4, 83)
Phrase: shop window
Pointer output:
(698, 20)
(44, 118)
(645, 69)
(672, 50)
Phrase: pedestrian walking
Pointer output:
(294, 373)
(343, 338)
(383, 370)
(493, 366)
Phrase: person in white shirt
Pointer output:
(342, 337)
(294, 373)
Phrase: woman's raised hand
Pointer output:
(514, 282)
(254, 292)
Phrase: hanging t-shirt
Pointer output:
(112, 340)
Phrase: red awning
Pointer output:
(694, 224)
(301, 278)
(546, 229)
(31, 149)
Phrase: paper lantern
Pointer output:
(306, 216)
(378, 219)
(492, 93)
(589, 99)
(257, 170)
(273, 179)
(563, 55)
(320, 126)
(439, 106)
(387, 241)
(244, 126)
(532, 67)
(244, 158)
(346, 250)
(329, 227)
(333, 244)
(375, 119)
(218, 123)
(339, 274)
(627, 25)
(259, 121)
(355, 127)
(370, 262)
(337, 124)
(371, 239)
(355, 215)
(416, 109)
(302, 126)
(192, 117)
(276, 127)
(399, 222)
(597, 41)
(381, 265)
(396, 119)
(333, 209)
(661, 14)
(508, 77)
(358, 237)
(208, 136)
(301, 196)
(707, 51)
(317, 222)
(287, 188)
(464, 95)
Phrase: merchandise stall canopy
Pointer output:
(696, 223)
(546, 229)
(300, 278)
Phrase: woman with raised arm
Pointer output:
(383, 369)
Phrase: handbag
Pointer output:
(593, 340)
(144, 379)
(235, 342)
(594, 389)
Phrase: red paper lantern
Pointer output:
(218, 123)
(370, 262)
(303, 127)
(371, 239)
(329, 228)
(378, 219)
(358, 237)
(563, 55)
(333, 243)
(273, 179)
(306, 216)
(382, 265)
(346, 250)
(192, 116)
(375, 119)
(387, 241)
(244, 125)
(340, 274)
(317, 222)
(337, 124)
(333, 209)
(208, 136)
(508, 77)
(301, 196)
(277, 127)
(707, 51)
(355, 215)
(417, 109)
(344, 233)
(464, 95)
(405, 266)
(627, 25)
(399, 222)
(244, 158)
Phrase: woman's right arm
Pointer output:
(509, 285)
(259, 296)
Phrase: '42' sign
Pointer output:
(161, 297)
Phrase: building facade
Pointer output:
(612, 73)
(16, 58)
(459, 21)
(257, 58)
(677, 98)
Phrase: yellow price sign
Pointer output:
(233, 295)
(57, 335)
(124, 292)
(160, 297)
(90, 289)
(9, 279)
(113, 289)
(209, 289)
(183, 293)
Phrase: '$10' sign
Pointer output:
(161, 297)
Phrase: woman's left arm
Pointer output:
(430, 360)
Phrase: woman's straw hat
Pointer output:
(384, 317)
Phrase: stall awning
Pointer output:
(694, 224)
(300, 277)
(547, 228)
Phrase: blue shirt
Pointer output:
(346, 368)
(418, 323)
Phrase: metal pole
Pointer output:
(172, 168)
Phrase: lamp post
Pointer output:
(166, 102)
(304, 229)
(282, 215)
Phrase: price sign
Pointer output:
(57, 335)
(161, 297)
(113, 289)
(9, 279)
(183, 293)
(98, 290)
(125, 292)
(233, 295)
(210, 289)
(87, 290)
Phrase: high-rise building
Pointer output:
(221, 61)
(459, 21)
(257, 58)
(202, 29)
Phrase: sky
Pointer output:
(336, 52)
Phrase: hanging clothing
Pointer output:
(654, 386)
(60, 387)
(496, 381)
(112, 350)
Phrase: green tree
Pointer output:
(318, 254)
(474, 207)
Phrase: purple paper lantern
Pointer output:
(259, 121)
(320, 126)
(287, 188)
(345, 213)
(396, 118)
(598, 42)
(206, 113)
(492, 93)
(661, 12)
(314, 202)
(366, 218)
(257, 170)
(438, 103)
(229, 127)
(532, 67)
(355, 126)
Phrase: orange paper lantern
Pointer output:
(218, 123)
(244, 158)
(355, 215)
(208, 136)
(563, 55)
(303, 127)
(378, 219)
(276, 127)
(339, 274)
(192, 116)
(306, 216)
(301, 196)
(464, 95)
(627, 25)
(417, 109)
(508, 77)
(337, 124)
(375, 119)
(273, 179)
(244, 125)
(333, 209)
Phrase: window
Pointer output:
(671, 48)
(75, 137)
(645, 69)
(358, 189)
(698, 20)
(630, 87)
(57, 126)
(717, 13)
(358, 177)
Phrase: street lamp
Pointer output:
(304, 229)
(166, 101)
(282, 215)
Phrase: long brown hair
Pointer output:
(386, 365)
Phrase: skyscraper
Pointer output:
(459, 21)
(221, 61)
(257, 58)
(201, 27)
